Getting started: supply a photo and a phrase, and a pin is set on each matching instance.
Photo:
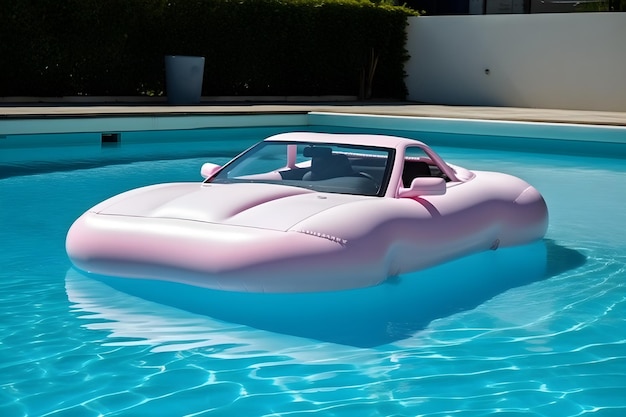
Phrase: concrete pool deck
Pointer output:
(406, 109)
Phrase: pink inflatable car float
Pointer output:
(305, 212)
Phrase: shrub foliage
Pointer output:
(252, 47)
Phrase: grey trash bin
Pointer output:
(183, 78)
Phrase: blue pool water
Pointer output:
(532, 331)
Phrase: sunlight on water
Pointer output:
(531, 331)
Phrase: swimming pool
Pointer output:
(537, 331)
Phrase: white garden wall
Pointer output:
(567, 61)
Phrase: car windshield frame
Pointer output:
(323, 167)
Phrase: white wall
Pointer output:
(568, 61)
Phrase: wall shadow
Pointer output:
(365, 317)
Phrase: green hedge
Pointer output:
(252, 47)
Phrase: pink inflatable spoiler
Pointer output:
(304, 212)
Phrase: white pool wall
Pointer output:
(531, 130)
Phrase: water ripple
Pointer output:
(554, 347)
(516, 344)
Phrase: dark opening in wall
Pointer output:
(110, 139)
